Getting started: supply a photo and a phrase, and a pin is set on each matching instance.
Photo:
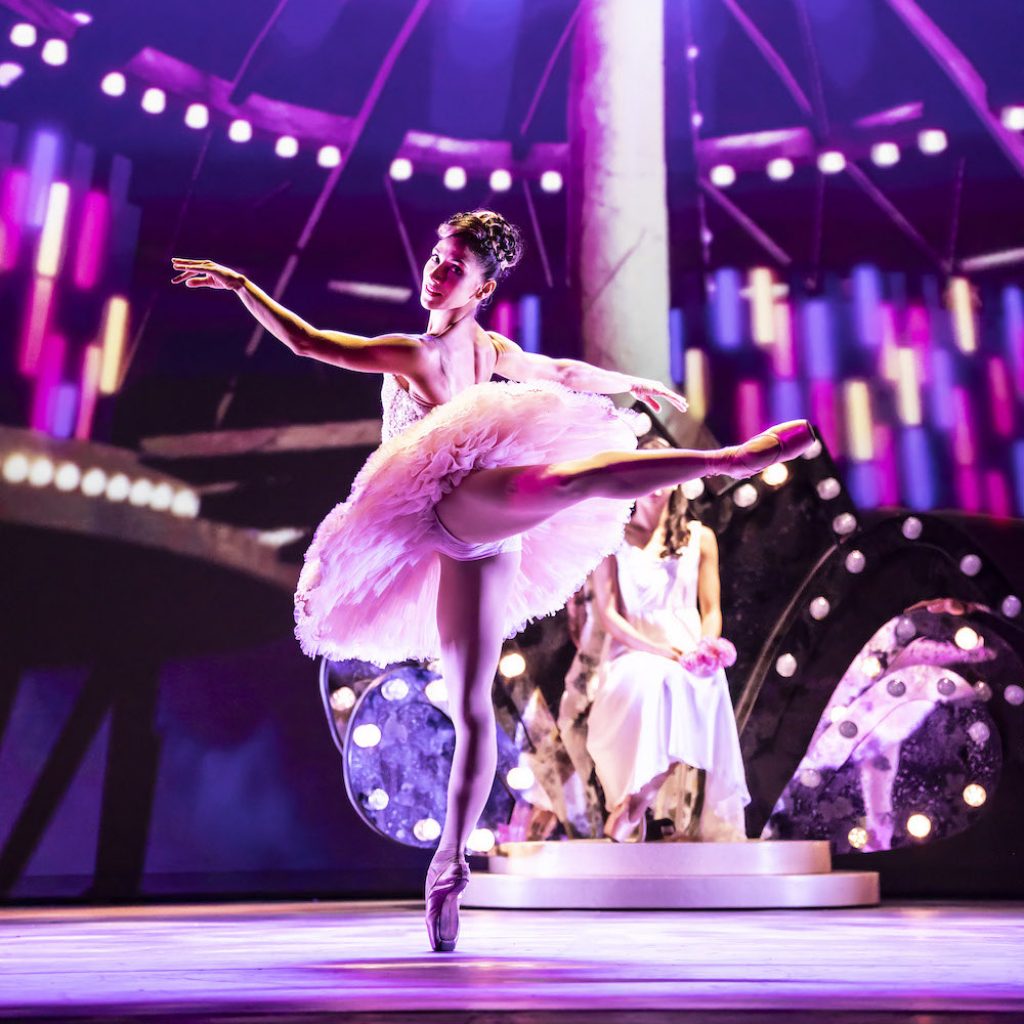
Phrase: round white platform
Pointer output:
(597, 874)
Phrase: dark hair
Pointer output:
(676, 534)
(677, 524)
(496, 243)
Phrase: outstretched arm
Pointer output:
(515, 364)
(392, 353)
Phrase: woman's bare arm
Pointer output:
(515, 364)
(709, 585)
(606, 604)
(392, 353)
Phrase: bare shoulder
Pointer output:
(503, 344)
(708, 539)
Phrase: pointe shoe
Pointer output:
(442, 899)
(776, 444)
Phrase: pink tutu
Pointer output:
(368, 588)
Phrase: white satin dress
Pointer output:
(649, 713)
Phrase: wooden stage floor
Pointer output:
(324, 961)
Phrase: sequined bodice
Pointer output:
(400, 409)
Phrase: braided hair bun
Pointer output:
(496, 242)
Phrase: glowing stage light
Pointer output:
(10, 73)
(82, 17)
(197, 116)
(455, 178)
(395, 689)
(343, 698)
(16, 467)
(919, 825)
(114, 83)
(366, 735)
(979, 732)
(871, 666)
(970, 565)
(859, 424)
(1013, 118)
(512, 664)
(481, 840)
(693, 489)
(500, 180)
(745, 496)
(328, 156)
(912, 528)
(855, 562)
(377, 800)
(55, 52)
(722, 175)
(436, 692)
(401, 169)
(828, 488)
(775, 475)
(115, 330)
(154, 100)
(692, 52)
(426, 830)
(1011, 606)
(780, 169)
(240, 130)
(67, 477)
(286, 147)
(519, 778)
(1013, 694)
(932, 141)
(831, 162)
(762, 305)
(813, 452)
(161, 497)
(967, 639)
(786, 665)
(857, 837)
(696, 382)
(140, 493)
(23, 35)
(885, 154)
(908, 392)
(119, 486)
(40, 473)
(810, 778)
(961, 305)
(92, 238)
(819, 608)
(185, 504)
(94, 482)
(836, 714)
(974, 794)
(51, 241)
(551, 181)
(844, 523)
(697, 119)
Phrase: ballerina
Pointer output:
(486, 505)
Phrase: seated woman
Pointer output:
(662, 698)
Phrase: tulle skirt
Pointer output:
(368, 588)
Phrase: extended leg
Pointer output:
(492, 504)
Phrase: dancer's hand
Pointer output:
(206, 274)
(650, 391)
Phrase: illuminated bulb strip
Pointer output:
(859, 428)
(696, 383)
(13, 198)
(1001, 397)
(91, 364)
(908, 394)
(92, 239)
(36, 323)
(115, 329)
(762, 306)
(783, 362)
(964, 447)
(51, 363)
(961, 306)
(51, 241)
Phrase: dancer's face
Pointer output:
(453, 276)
